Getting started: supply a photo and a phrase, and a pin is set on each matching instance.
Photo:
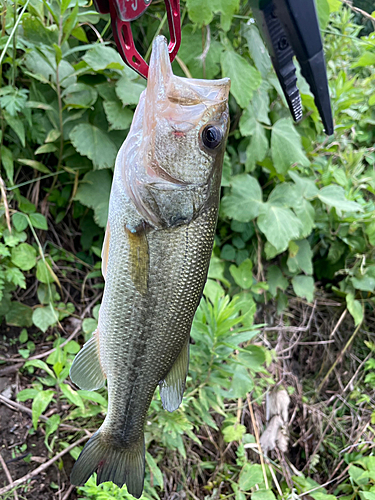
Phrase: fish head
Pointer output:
(185, 125)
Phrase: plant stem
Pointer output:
(13, 31)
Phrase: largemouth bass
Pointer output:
(157, 247)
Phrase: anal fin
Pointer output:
(173, 386)
(86, 370)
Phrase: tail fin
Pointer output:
(117, 464)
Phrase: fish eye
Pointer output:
(212, 136)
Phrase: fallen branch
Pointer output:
(9, 477)
(25, 409)
(41, 468)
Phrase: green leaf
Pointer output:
(70, 23)
(7, 161)
(38, 363)
(191, 50)
(44, 317)
(248, 121)
(323, 10)
(286, 146)
(19, 315)
(355, 309)
(93, 396)
(118, 116)
(263, 494)
(71, 395)
(275, 280)
(129, 92)
(102, 57)
(200, 11)
(306, 214)
(16, 124)
(43, 274)
(257, 49)
(243, 274)
(94, 192)
(303, 286)
(306, 187)
(27, 394)
(19, 221)
(258, 147)
(24, 256)
(34, 164)
(92, 142)
(334, 196)
(241, 383)
(52, 425)
(45, 148)
(79, 95)
(39, 221)
(233, 432)
(40, 403)
(89, 325)
(367, 59)
(365, 283)
(250, 475)
(244, 77)
(154, 469)
(245, 200)
(14, 275)
(253, 357)
(302, 259)
(279, 225)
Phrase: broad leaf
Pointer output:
(257, 49)
(276, 280)
(44, 317)
(92, 142)
(94, 192)
(334, 196)
(102, 57)
(24, 256)
(280, 225)
(303, 286)
(251, 475)
(245, 199)
(243, 274)
(129, 92)
(286, 146)
(244, 77)
(355, 308)
(302, 259)
(118, 116)
(40, 403)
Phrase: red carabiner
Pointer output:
(123, 12)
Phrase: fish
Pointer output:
(158, 242)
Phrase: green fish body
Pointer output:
(161, 225)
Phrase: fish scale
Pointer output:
(156, 252)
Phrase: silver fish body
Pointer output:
(162, 219)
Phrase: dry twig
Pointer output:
(9, 477)
(43, 467)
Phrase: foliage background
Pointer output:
(293, 251)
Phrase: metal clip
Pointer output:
(123, 12)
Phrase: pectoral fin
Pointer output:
(86, 370)
(173, 386)
(139, 257)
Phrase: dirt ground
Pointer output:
(21, 447)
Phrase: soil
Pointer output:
(21, 447)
